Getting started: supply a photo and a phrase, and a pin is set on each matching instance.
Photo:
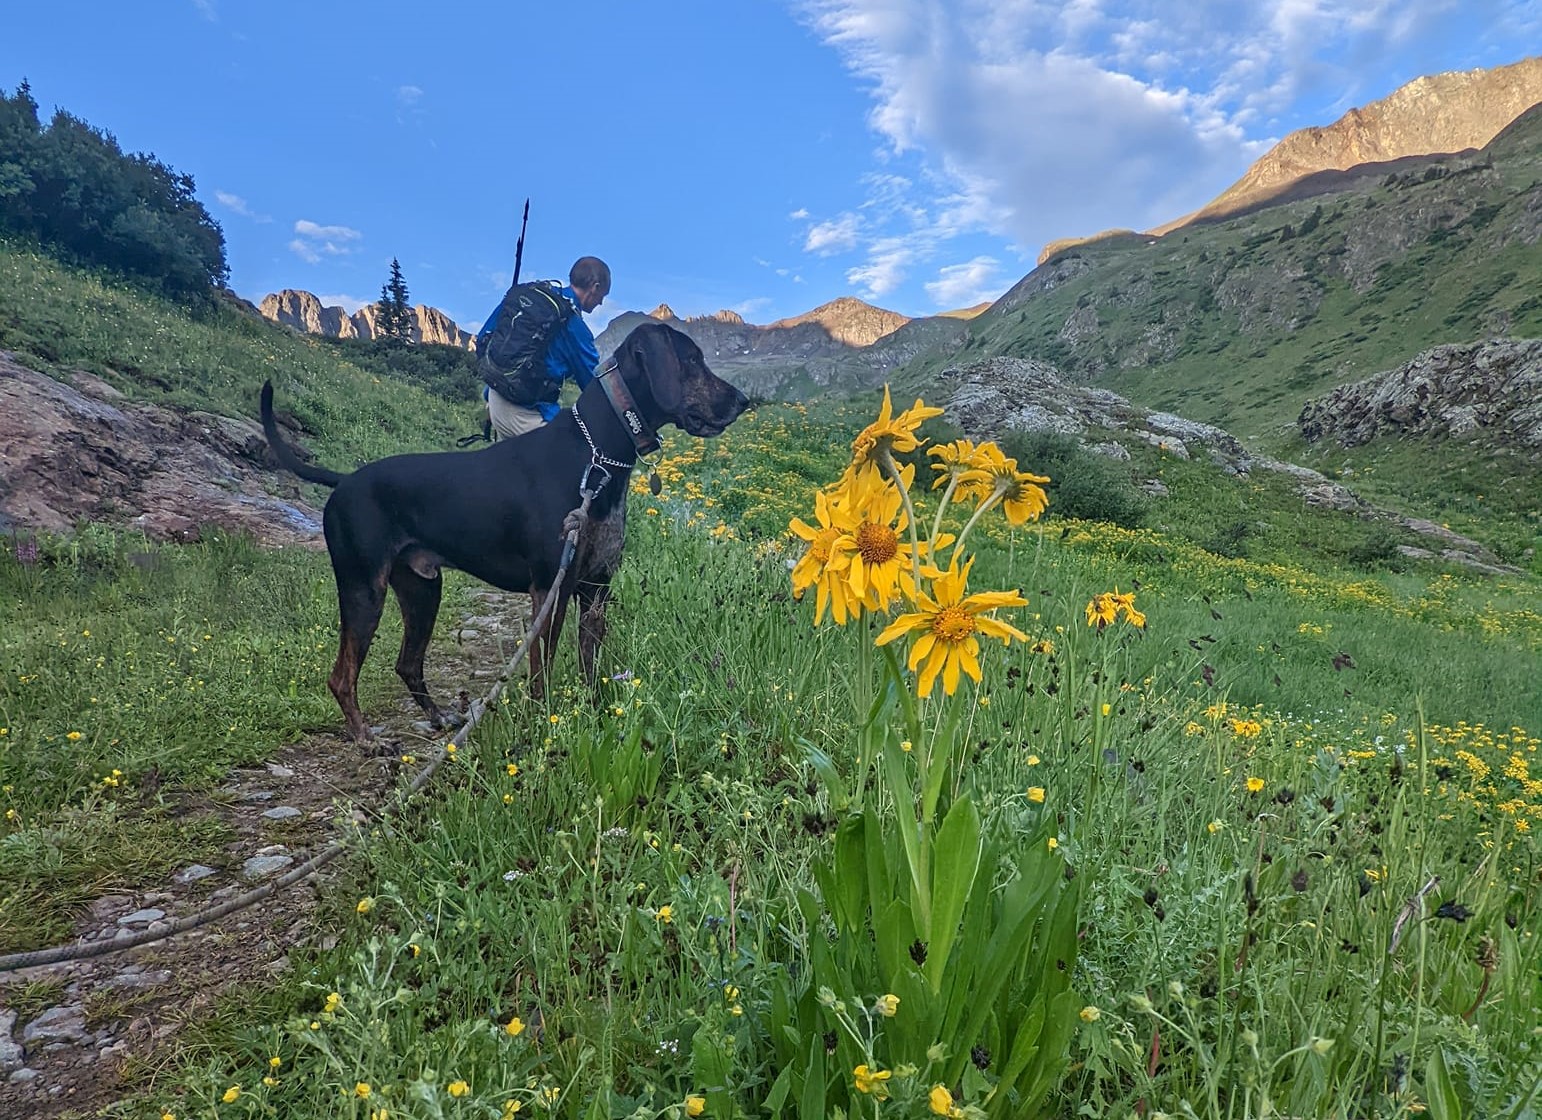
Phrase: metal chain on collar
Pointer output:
(598, 459)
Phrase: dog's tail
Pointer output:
(283, 452)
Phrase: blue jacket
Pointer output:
(572, 354)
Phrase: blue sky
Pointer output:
(759, 155)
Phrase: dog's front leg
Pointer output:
(591, 631)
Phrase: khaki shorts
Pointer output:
(510, 420)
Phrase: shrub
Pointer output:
(1083, 484)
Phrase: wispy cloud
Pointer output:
(408, 95)
(207, 9)
(314, 241)
(833, 236)
(964, 285)
(237, 205)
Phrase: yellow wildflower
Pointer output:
(940, 1101)
(231, 1094)
(1036, 794)
(872, 1081)
(888, 1005)
(822, 566)
(364, 906)
(948, 625)
(1255, 785)
(889, 434)
(1089, 1014)
(664, 915)
(73, 736)
(695, 1106)
(514, 1027)
(458, 1088)
(362, 1090)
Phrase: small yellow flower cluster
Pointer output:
(874, 1082)
(1104, 609)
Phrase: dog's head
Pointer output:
(669, 377)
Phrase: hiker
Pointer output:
(535, 340)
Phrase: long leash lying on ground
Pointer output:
(62, 954)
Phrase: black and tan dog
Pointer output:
(498, 513)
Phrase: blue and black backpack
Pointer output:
(512, 345)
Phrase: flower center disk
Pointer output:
(878, 544)
(953, 624)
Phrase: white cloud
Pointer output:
(408, 95)
(328, 233)
(799, 214)
(349, 304)
(964, 285)
(237, 205)
(315, 241)
(1031, 121)
(207, 10)
(887, 267)
(751, 308)
(832, 236)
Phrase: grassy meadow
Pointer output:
(1272, 853)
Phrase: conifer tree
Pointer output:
(392, 314)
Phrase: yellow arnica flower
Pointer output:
(362, 1090)
(1105, 608)
(514, 1027)
(949, 625)
(873, 1081)
(1090, 1014)
(1255, 785)
(1021, 494)
(458, 1088)
(1036, 794)
(940, 1101)
(823, 566)
(891, 433)
(961, 460)
(664, 916)
(695, 1106)
(365, 905)
(873, 523)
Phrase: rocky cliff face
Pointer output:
(1439, 113)
(850, 321)
(1490, 389)
(304, 312)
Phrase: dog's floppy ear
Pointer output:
(651, 348)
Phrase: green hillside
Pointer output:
(1239, 322)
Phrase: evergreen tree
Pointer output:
(392, 314)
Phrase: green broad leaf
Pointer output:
(778, 1094)
(1025, 1045)
(811, 1103)
(899, 785)
(850, 881)
(824, 766)
(894, 932)
(956, 852)
(1439, 1090)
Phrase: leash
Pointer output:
(62, 954)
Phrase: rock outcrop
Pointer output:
(304, 312)
(997, 395)
(1490, 389)
(79, 451)
(850, 321)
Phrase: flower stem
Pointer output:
(942, 506)
(989, 503)
(886, 458)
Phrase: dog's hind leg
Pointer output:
(359, 607)
(419, 600)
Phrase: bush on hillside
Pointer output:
(1082, 483)
(448, 372)
(72, 188)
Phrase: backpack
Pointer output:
(511, 347)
